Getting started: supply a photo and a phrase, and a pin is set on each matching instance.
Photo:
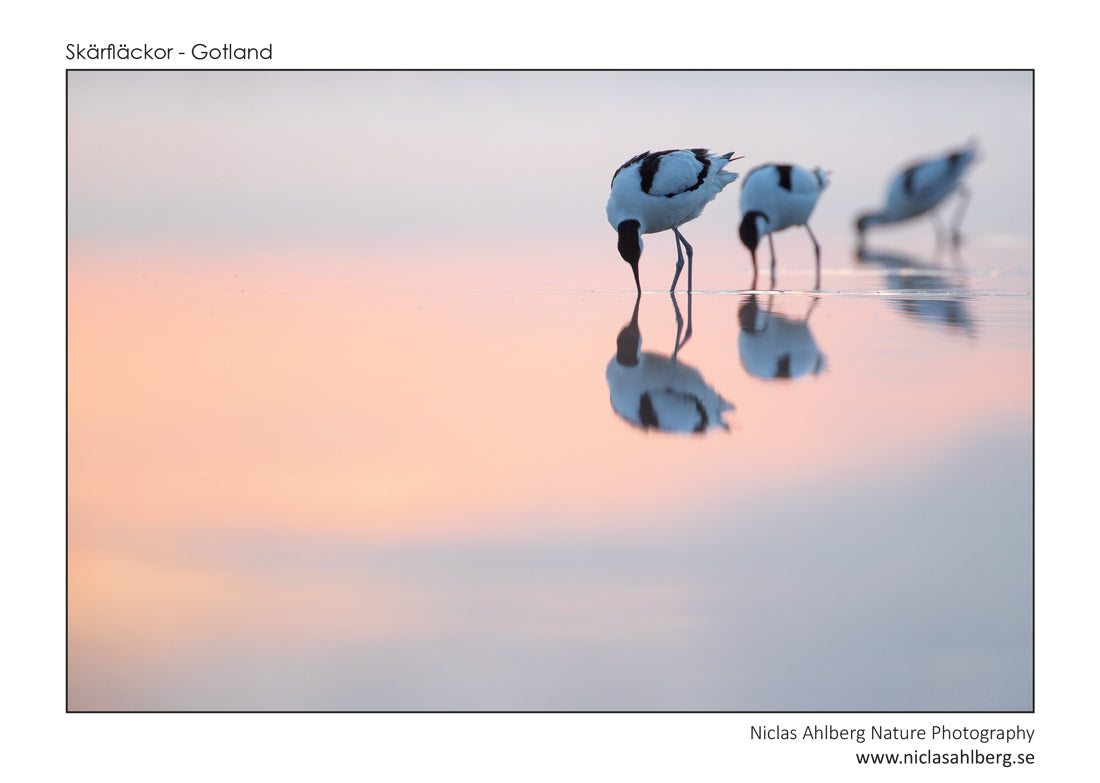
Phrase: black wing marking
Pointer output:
(907, 179)
(953, 161)
(630, 162)
(783, 169)
(651, 162)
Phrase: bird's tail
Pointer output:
(970, 150)
(726, 177)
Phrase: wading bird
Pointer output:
(777, 196)
(922, 187)
(658, 191)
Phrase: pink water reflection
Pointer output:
(243, 446)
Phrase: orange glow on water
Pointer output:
(236, 406)
(203, 403)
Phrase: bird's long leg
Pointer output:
(679, 261)
(771, 245)
(964, 200)
(817, 257)
(937, 225)
(680, 258)
(688, 248)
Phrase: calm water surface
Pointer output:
(313, 471)
(295, 490)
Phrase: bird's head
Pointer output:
(863, 222)
(630, 246)
(752, 227)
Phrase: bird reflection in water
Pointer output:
(653, 391)
(942, 293)
(774, 346)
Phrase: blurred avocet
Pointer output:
(923, 186)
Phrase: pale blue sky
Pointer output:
(247, 158)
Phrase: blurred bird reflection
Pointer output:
(908, 273)
(653, 391)
(775, 346)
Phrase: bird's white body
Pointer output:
(784, 194)
(660, 191)
(776, 196)
(921, 187)
(681, 184)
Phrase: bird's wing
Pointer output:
(809, 181)
(931, 175)
(786, 176)
(674, 171)
(628, 164)
(758, 174)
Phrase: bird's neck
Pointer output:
(873, 219)
(630, 239)
(754, 225)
